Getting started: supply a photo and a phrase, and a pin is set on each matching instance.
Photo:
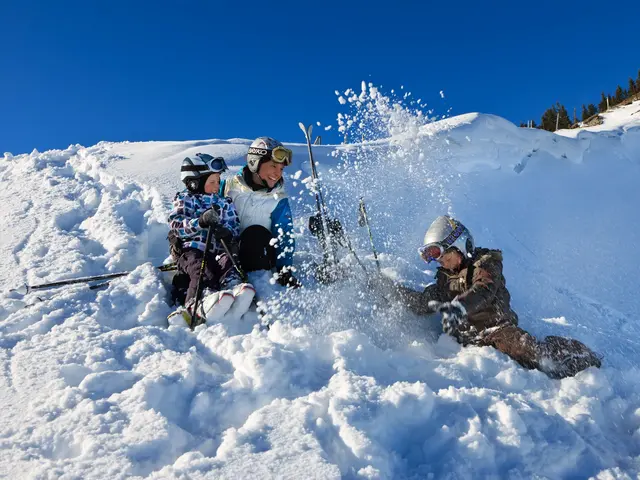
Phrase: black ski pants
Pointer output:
(256, 251)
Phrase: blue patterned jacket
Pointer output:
(188, 207)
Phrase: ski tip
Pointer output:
(306, 130)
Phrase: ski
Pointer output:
(320, 224)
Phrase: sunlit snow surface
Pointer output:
(94, 384)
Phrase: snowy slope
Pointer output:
(95, 386)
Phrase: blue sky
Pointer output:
(81, 72)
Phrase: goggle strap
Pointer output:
(453, 236)
(194, 168)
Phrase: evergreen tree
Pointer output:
(585, 113)
(533, 124)
(619, 96)
(548, 120)
(632, 87)
(564, 121)
(592, 110)
(602, 106)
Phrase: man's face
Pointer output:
(212, 185)
(451, 260)
(271, 172)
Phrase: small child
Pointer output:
(195, 210)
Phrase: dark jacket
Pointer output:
(479, 286)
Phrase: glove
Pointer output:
(454, 315)
(286, 278)
(220, 233)
(209, 218)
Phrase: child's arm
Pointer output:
(229, 217)
(182, 218)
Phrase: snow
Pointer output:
(95, 385)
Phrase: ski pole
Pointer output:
(336, 226)
(195, 318)
(29, 288)
(363, 220)
(236, 265)
(354, 252)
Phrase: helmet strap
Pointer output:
(264, 182)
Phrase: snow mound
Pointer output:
(95, 385)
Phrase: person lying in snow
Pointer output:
(471, 294)
(266, 225)
(195, 210)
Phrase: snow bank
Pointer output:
(94, 384)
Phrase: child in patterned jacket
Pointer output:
(195, 210)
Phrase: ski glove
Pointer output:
(209, 218)
(221, 233)
(454, 315)
(286, 278)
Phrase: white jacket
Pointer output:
(268, 208)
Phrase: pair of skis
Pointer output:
(321, 224)
(329, 231)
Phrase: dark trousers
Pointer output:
(256, 252)
(558, 357)
(216, 269)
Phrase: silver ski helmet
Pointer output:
(263, 149)
(196, 169)
(445, 233)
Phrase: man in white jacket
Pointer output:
(266, 224)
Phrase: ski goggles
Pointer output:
(278, 154)
(282, 155)
(216, 165)
(431, 251)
